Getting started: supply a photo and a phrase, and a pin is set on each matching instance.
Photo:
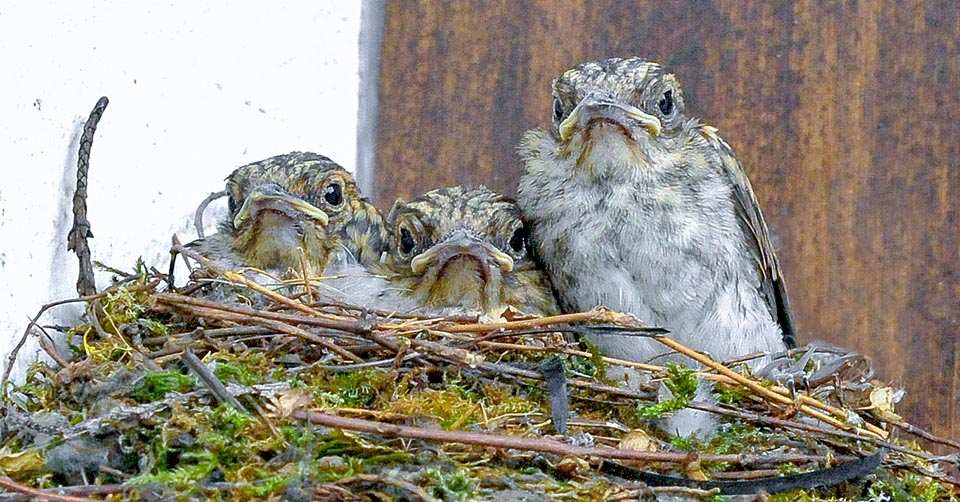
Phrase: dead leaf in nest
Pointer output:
(574, 467)
(17, 463)
(638, 440)
(694, 470)
(285, 403)
(882, 402)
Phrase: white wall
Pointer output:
(195, 88)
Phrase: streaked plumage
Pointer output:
(314, 205)
(459, 250)
(328, 186)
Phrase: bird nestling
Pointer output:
(300, 203)
(353, 220)
(464, 250)
(637, 206)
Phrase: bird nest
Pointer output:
(163, 393)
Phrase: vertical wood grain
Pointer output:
(845, 115)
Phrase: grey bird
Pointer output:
(637, 206)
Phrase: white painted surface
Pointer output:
(195, 88)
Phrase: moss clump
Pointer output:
(682, 383)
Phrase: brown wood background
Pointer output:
(844, 114)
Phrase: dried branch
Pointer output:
(761, 391)
(198, 215)
(36, 494)
(544, 445)
(77, 238)
(414, 490)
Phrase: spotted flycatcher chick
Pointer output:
(635, 205)
(464, 250)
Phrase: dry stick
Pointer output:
(396, 483)
(789, 424)
(198, 215)
(543, 445)
(346, 325)
(12, 485)
(917, 431)
(249, 313)
(597, 315)
(26, 333)
(246, 314)
(727, 379)
(69, 490)
(230, 315)
(458, 356)
(213, 383)
(77, 238)
(239, 278)
(767, 393)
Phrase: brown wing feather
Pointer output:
(751, 219)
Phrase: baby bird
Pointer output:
(464, 250)
(354, 223)
(300, 201)
(269, 232)
(635, 205)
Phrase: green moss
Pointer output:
(455, 485)
(682, 383)
(154, 385)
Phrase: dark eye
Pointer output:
(557, 110)
(406, 241)
(666, 103)
(519, 239)
(333, 194)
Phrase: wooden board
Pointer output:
(846, 116)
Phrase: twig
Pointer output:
(543, 445)
(597, 315)
(418, 492)
(77, 238)
(762, 391)
(917, 431)
(305, 270)
(806, 427)
(213, 383)
(26, 333)
(198, 215)
(69, 490)
(12, 485)
(241, 314)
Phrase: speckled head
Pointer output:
(309, 176)
(325, 184)
(634, 94)
(464, 247)
(460, 214)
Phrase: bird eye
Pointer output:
(519, 239)
(557, 110)
(333, 194)
(406, 241)
(666, 103)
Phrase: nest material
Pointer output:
(165, 394)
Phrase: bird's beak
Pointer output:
(461, 243)
(604, 106)
(287, 204)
